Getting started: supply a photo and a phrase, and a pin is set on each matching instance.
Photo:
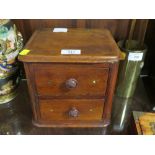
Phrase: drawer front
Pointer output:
(63, 110)
(70, 80)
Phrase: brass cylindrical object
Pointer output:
(130, 68)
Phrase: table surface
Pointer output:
(16, 116)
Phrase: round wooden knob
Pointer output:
(73, 112)
(71, 83)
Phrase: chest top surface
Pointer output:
(96, 46)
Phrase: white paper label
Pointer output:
(135, 56)
(70, 51)
(60, 30)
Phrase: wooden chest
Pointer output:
(71, 77)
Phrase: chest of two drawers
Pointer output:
(71, 89)
(69, 94)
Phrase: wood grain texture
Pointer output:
(58, 110)
(46, 78)
(110, 93)
(50, 80)
(96, 46)
(140, 30)
(32, 90)
(118, 27)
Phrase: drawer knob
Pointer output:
(71, 83)
(73, 112)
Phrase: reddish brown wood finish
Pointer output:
(110, 92)
(51, 80)
(96, 46)
(32, 91)
(59, 110)
(118, 27)
(53, 104)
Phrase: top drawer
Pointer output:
(70, 81)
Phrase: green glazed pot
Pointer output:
(130, 68)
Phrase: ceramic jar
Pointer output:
(11, 42)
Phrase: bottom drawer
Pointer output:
(63, 110)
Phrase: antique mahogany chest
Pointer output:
(71, 77)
